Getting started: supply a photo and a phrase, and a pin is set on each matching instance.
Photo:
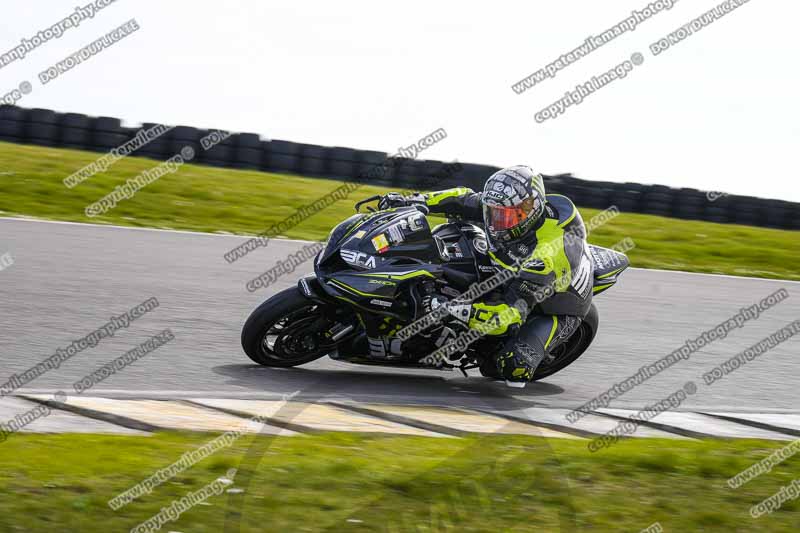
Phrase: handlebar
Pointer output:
(420, 207)
(366, 201)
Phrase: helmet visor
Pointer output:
(501, 218)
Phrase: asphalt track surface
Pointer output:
(68, 279)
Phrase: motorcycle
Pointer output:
(383, 270)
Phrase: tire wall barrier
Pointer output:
(44, 127)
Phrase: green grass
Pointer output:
(350, 482)
(246, 202)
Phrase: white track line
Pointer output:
(713, 275)
(135, 228)
(237, 236)
(147, 394)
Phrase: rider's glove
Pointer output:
(415, 198)
(392, 199)
(395, 199)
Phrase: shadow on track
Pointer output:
(385, 387)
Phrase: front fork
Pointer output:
(339, 330)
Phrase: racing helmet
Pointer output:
(513, 204)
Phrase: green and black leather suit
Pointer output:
(555, 255)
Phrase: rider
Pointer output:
(542, 240)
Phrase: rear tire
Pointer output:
(563, 356)
(572, 348)
(292, 323)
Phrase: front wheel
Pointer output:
(287, 330)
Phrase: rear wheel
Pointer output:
(560, 358)
(288, 330)
(569, 351)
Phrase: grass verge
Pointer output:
(247, 202)
(350, 482)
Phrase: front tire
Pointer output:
(287, 330)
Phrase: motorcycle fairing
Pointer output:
(379, 291)
(608, 265)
